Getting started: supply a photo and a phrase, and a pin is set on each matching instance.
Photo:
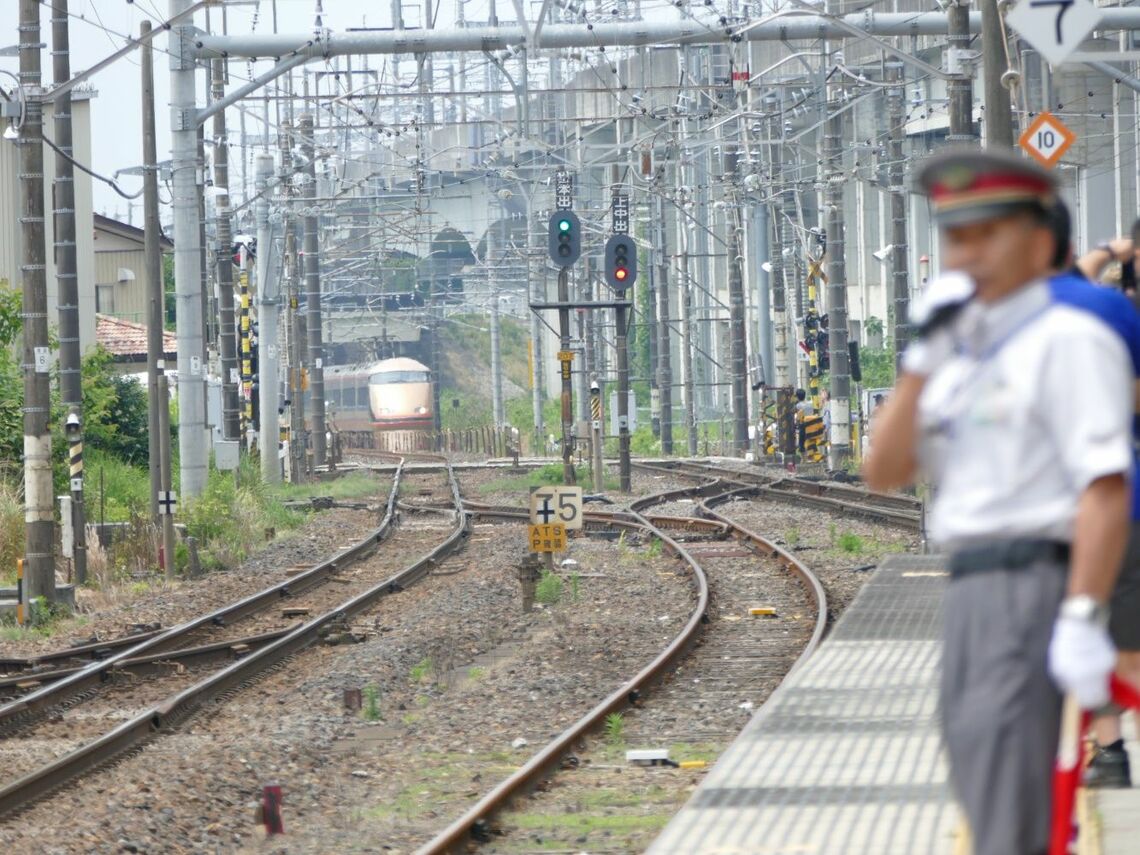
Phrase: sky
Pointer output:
(100, 27)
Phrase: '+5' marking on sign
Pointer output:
(545, 511)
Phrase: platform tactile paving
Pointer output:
(845, 757)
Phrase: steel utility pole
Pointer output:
(156, 357)
(268, 302)
(664, 367)
(313, 292)
(227, 332)
(900, 284)
(39, 560)
(192, 439)
(71, 391)
(832, 168)
(998, 116)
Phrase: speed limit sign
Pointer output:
(557, 504)
(1046, 139)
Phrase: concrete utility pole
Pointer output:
(840, 439)
(900, 284)
(568, 474)
(687, 320)
(192, 440)
(227, 332)
(313, 292)
(39, 516)
(71, 391)
(664, 367)
(779, 375)
(761, 234)
(268, 303)
(960, 88)
(159, 410)
(736, 317)
(998, 116)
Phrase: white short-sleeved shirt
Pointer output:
(1035, 405)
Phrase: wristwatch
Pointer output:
(1085, 608)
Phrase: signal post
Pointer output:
(621, 273)
(565, 246)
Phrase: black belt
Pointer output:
(1007, 555)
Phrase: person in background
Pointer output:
(804, 407)
(1031, 486)
(1109, 767)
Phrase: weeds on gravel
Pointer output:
(11, 530)
(851, 543)
(615, 728)
(548, 591)
(575, 585)
(420, 670)
(792, 537)
(371, 711)
(653, 550)
(475, 673)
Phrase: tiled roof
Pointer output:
(127, 340)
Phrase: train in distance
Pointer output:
(391, 394)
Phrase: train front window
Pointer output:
(384, 378)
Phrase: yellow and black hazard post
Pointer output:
(813, 438)
(74, 430)
(246, 348)
(596, 434)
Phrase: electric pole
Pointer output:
(39, 559)
(192, 439)
(70, 382)
(832, 169)
(313, 292)
(960, 87)
(999, 115)
(223, 256)
(736, 318)
(159, 412)
(900, 285)
(664, 368)
(268, 291)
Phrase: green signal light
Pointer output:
(563, 225)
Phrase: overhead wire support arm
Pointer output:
(132, 44)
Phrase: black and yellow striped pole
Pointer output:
(596, 434)
(246, 349)
(74, 430)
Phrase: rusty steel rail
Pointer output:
(473, 823)
(887, 508)
(167, 714)
(154, 642)
(153, 663)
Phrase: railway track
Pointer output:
(61, 710)
(692, 540)
(888, 508)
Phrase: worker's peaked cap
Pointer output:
(971, 185)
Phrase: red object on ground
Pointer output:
(271, 809)
(1067, 772)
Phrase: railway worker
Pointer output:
(1017, 408)
(1109, 766)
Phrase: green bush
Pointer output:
(548, 591)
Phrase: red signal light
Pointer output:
(620, 274)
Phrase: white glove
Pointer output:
(940, 294)
(1081, 659)
(929, 312)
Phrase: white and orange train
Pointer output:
(392, 394)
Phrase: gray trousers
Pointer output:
(1000, 710)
